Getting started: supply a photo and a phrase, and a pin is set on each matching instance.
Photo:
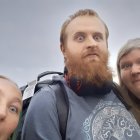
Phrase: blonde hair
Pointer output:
(8, 79)
(81, 12)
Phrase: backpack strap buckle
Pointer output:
(29, 91)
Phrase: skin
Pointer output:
(85, 33)
(10, 108)
(130, 71)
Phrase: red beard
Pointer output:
(91, 72)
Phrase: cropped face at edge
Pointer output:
(10, 108)
(130, 71)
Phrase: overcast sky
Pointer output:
(29, 32)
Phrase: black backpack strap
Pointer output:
(62, 104)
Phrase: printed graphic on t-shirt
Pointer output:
(111, 121)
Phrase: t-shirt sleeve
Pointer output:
(41, 121)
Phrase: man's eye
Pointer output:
(97, 37)
(80, 38)
(13, 109)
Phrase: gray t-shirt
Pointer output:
(90, 118)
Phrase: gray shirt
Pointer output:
(90, 118)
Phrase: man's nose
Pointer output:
(135, 69)
(2, 112)
(91, 42)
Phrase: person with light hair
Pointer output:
(10, 107)
(128, 68)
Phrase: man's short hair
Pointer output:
(81, 12)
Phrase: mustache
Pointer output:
(90, 52)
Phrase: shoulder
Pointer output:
(43, 97)
(41, 113)
(44, 103)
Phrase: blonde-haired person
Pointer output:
(10, 107)
(128, 67)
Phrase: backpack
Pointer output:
(32, 88)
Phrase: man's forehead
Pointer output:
(87, 22)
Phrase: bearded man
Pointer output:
(95, 112)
